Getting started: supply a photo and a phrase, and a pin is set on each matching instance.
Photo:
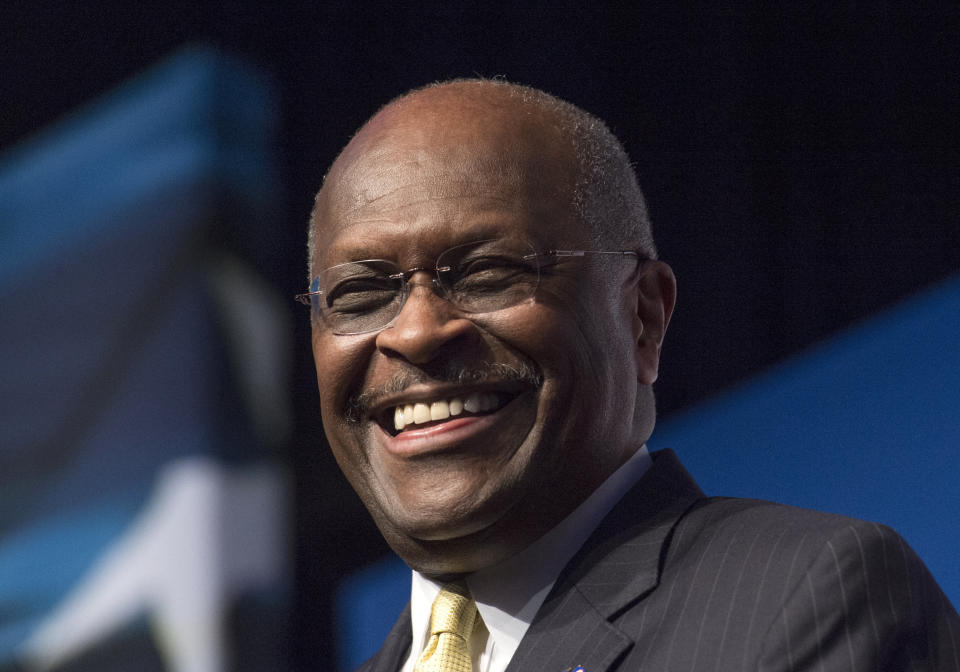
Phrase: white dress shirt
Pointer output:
(509, 594)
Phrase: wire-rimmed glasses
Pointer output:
(363, 296)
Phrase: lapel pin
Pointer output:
(578, 668)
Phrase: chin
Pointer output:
(445, 540)
(447, 521)
(451, 556)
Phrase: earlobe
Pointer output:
(656, 297)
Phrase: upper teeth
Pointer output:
(420, 412)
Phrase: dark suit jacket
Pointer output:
(672, 580)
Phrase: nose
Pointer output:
(426, 324)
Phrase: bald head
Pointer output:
(513, 130)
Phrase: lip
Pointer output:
(449, 436)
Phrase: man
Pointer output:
(488, 318)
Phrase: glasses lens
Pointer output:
(359, 296)
(487, 275)
(484, 276)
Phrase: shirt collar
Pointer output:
(509, 594)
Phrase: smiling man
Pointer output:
(488, 313)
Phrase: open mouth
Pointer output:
(422, 414)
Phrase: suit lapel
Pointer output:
(395, 647)
(568, 632)
(618, 565)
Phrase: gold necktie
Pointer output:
(451, 622)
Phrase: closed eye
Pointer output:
(361, 294)
(490, 273)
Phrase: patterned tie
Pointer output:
(451, 622)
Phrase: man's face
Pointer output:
(552, 380)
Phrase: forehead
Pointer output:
(415, 182)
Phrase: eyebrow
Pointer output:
(350, 252)
(377, 247)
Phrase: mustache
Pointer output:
(359, 406)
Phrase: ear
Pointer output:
(656, 296)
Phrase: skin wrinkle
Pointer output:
(466, 166)
(445, 187)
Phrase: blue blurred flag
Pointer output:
(143, 383)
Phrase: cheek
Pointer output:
(584, 351)
(550, 340)
(341, 363)
(557, 333)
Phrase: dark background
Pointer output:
(800, 161)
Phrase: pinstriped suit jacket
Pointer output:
(674, 581)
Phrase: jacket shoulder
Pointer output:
(775, 583)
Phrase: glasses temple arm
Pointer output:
(580, 253)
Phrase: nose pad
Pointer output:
(428, 291)
(425, 284)
(430, 284)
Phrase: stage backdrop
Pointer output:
(142, 379)
(866, 424)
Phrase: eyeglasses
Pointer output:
(359, 297)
